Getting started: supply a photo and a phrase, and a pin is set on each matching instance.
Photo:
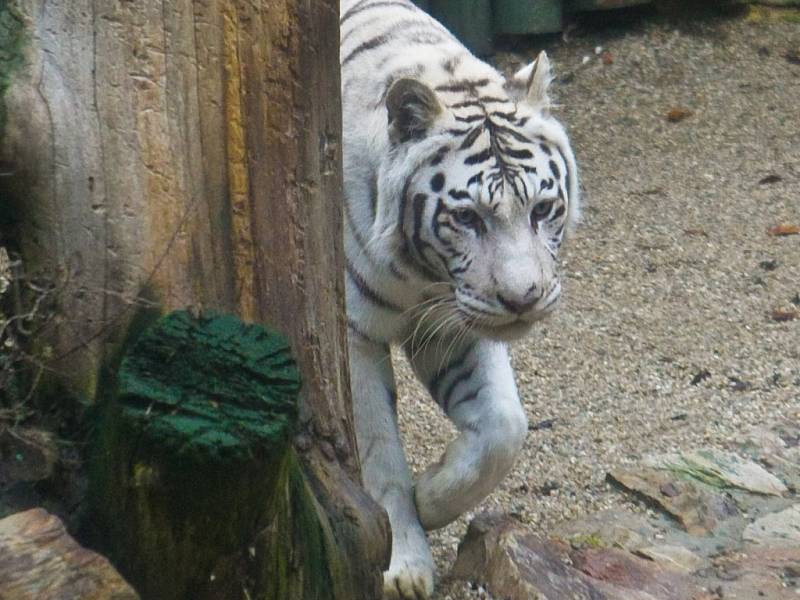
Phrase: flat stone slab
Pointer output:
(39, 560)
(778, 530)
(612, 528)
(720, 469)
(697, 510)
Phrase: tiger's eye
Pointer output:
(467, 217)
(541, 210)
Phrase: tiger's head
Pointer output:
(487, 189)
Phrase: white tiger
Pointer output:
(459, 188)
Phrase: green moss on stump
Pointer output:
(210, 389)
(196, 491)
(297, 556)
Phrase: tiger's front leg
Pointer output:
(475, 388)
(387, 476)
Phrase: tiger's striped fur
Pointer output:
(459, 189)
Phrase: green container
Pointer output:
(581, 5)
(470, 22)
(523, 17)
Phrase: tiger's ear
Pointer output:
(535, 79)
(412, 108)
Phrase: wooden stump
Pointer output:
(196, 488)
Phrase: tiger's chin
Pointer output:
(508, 332)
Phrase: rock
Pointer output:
(26, 455)
(40, 561)
(613, 592)
(608, 529)
(721, 470)
(781, 529)
(626, 571)
(696, 510)
(777, 446)
(517, 565)
(758, 572)
(674, 557)
(753, 586)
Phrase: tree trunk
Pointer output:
(186, 153)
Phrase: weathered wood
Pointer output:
(186, 154)
(181, 153)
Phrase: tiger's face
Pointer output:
(486, 209)
(491, 229)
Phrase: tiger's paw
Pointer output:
(409, 577)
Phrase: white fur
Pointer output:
(469, 375)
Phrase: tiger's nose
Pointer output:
(518, 306)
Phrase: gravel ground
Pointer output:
(666, 338)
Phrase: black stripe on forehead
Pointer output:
(510, 131)
(479, 157)
(506, 116)
(472, 136)
(466, 104)
(470, 118)
(518, 153)
(477, 178)
(463, 85)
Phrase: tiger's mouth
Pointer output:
(507, 328)
(507, 332)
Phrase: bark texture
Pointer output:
(186, 153)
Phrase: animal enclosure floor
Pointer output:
(676, 329)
